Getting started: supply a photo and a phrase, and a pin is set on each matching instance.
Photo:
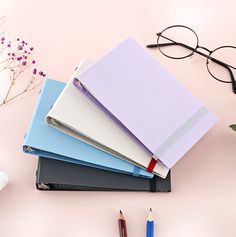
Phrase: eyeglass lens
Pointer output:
(179, 34)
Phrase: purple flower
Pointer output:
(31, 48)
(8, 54)
(2, 39)
(44, 75)
(41, 73)
(19, 58)
(13, 54)
(9, 45)
(23, 42)
(34, 71)
(33, 62)
(19, 47)
(25, 57)
(18, 39)
(24, 63)
(25, 51)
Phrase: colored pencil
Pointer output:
(122, 225)
(150, 225)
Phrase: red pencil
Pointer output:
(122, 225)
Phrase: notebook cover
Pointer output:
(42, 140)
(73, 113)
(146, 101)
(58, 175)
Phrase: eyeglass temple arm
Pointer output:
(170, 44)
(229, 70)
(160, 45)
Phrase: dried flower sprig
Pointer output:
(17, 59)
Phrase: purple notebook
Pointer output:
(130, 86)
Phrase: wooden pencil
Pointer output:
(122, 225)
(150, 225)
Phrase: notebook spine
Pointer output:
(39, 184)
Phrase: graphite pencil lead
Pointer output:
(121, 216)
(150, 216)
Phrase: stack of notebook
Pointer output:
(120, 123)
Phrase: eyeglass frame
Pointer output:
(194, 50)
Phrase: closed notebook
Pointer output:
(59, 175)
(138, 94)
(42, 140)
(76, 115)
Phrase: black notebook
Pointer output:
(59, 175)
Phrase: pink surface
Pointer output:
(202, 202)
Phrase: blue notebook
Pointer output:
(42, 140)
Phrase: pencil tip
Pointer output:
(150, 216)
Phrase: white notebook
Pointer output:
(75, 114)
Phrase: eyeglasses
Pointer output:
(178, 42)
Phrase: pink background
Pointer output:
(202, 202)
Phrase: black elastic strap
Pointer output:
(153, 184)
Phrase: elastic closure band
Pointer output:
(151, 165)
(180, 132)
(136, 171)
(153, 186)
